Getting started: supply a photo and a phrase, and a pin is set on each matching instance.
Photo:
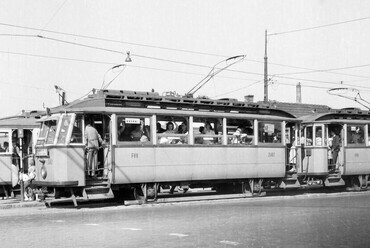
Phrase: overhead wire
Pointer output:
(320, 26)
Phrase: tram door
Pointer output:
(27, 148)
(101, 123)
(337, 130)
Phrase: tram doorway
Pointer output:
(335, 145)
(27, 148)
(101, 123)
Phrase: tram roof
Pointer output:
(24, 120)
(339, 116)
(114, 101)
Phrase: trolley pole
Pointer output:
(20, 136)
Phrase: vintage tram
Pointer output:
(17, 139)
(152, 140)
(318, 163)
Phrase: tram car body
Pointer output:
(26, 127)
(213, 142)
(315, 161)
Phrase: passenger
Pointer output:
(124, 132)
(335, 148)
(159, 128)
(146, 135)
(318, 138)
(208, 130)
(15, 154)
(356, 137)
(92, 139)
(183, 129)
(6, 146)
(170, 128)
(137, 132)
(330, 145)
(2, 149)
(239, 136)
(199, 140)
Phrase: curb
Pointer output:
(16, 203)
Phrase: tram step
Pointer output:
(334, 181)
(96, 182)
(99, 192)
(289, 183)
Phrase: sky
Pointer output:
(77, 45)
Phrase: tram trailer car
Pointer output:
(13, 128)
(315, 164)
(218, 143)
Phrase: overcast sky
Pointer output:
(322, 44)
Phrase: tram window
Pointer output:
(207, 131)
(51, 131)
(76, 136)
(4, 142)
(240, 131)
(133, 129)
(309, 136)
(318, 136)
(269, 132)
(66, 120)
(355, 135)
(175, 130)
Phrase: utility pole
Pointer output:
(265, 81)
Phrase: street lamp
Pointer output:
(213, 73)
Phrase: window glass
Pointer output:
(76, 136)
(269, 132)
(207, 131)
(133, 129)
(355, 135)
(172, 130)
(309, 136)
(318, 136)
(240, 131)
(52, 129)
(42, 134)
(66, 120)
(4, 142)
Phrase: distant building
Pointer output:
(297, 109)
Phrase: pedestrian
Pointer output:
(92, 140)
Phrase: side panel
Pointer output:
(148, 164)
(357, 161)
(5, 168)
(315, 159)
(63, 164)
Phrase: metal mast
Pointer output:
(265, 81)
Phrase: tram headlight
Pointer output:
(43, 171)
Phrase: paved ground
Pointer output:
(307, 220)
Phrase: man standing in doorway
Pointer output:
(92, 139)
(335, 148)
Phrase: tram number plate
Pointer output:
(271, 154)
(43, 152)
(134, 155)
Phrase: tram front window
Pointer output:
(269, 132)
(76, 136)
(47, 133)
(66, 120)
